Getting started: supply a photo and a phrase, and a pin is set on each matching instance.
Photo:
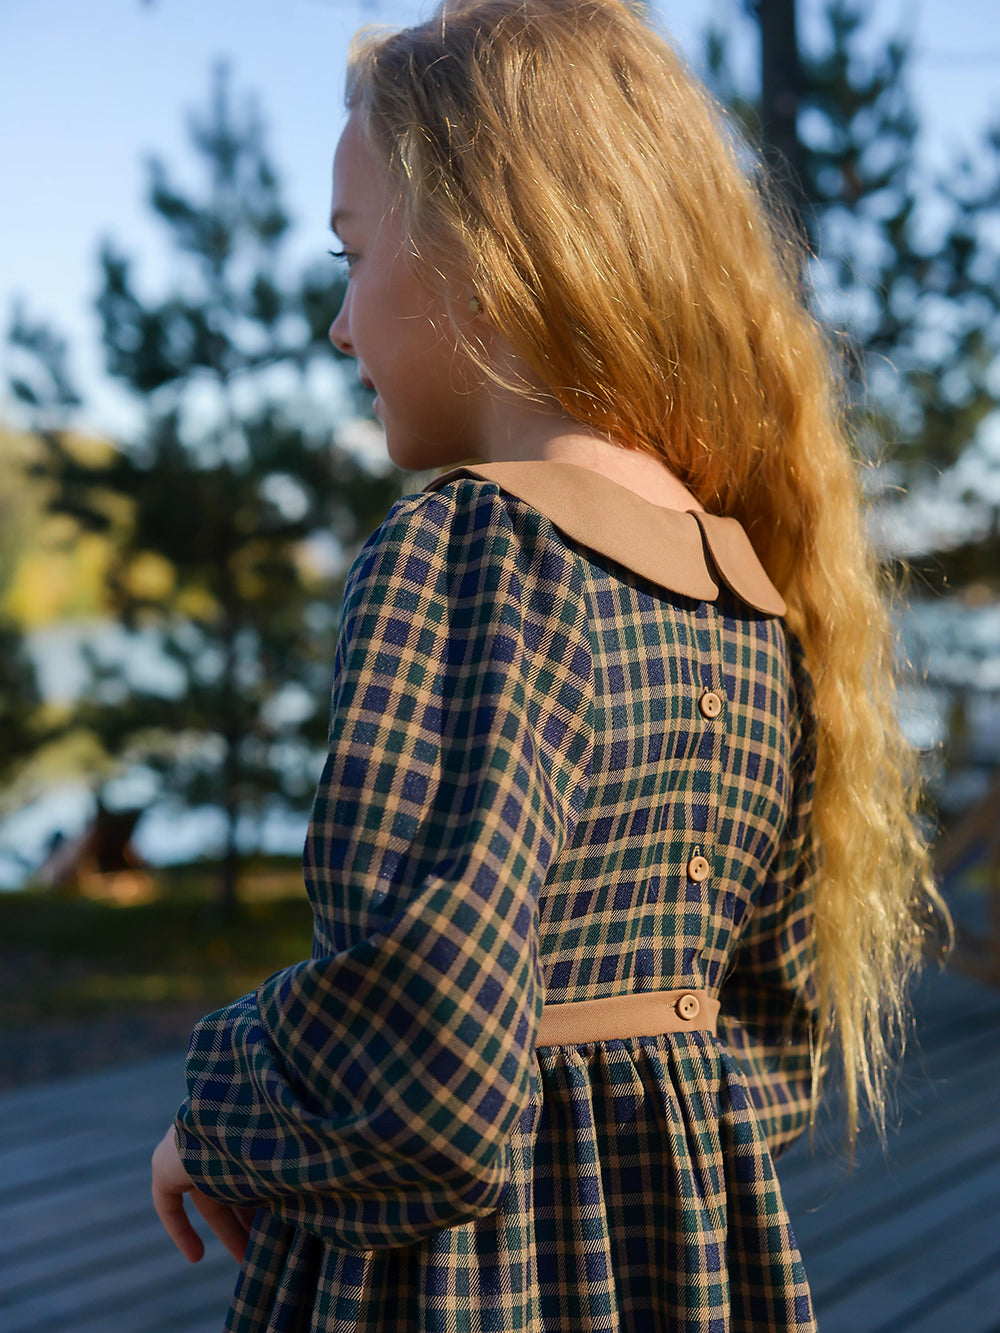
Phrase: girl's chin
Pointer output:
(410, 454)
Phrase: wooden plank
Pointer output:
(947, 1123)
(963, 1206)
(867, 1272)
(137, 1273)
(176, 1304)
(86, 1250)
(53, 1219)
(908, 1244)
(880, 1207)
(82, 1094)
(104, 1156)
(933, 1094)
(127, 1107)
(917, 1290)
(968, 1300)
(200, 1305)
(79, 1243)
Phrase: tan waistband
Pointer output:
(627, 1016)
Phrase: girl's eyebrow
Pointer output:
(337, 216)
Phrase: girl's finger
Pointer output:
(223, 1220)
(170, 1210)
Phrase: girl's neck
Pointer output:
(509, 429)
(576, 443)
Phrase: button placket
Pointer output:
(710, 705)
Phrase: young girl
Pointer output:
(614, 847)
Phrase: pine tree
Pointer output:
(20, 701)
(906, 275)
(224, 491)
(22, 729)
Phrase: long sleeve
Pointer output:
(368, 1093)
(768, 1000)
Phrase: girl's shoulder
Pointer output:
(449, 539)
(468, 505)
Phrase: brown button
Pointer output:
(688, 1006)
(698, 868)
(710, 704)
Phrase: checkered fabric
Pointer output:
(518, 776)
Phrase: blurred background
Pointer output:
(187, 467)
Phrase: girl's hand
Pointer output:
(170, 1183)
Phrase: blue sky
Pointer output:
(87, 91)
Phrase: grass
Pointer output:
(65, 957)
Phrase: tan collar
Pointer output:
(667, 546)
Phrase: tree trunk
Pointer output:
(781, 90)
(230, 728)
(229, 877)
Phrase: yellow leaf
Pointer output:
(150, 576)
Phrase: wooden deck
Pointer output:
(908, 1245)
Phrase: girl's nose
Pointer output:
(339, 335)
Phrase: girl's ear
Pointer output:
(468, 303)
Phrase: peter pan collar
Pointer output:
(682, 550)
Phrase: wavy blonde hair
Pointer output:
(560, 155)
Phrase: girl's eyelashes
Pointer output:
(344, 255)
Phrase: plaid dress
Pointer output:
(519, 775)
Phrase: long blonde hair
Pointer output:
(560, 155)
